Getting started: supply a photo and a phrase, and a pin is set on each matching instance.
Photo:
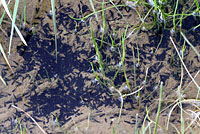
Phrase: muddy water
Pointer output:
(67, 89)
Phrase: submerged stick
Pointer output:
(30, 117)
(184, 64)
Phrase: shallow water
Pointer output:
(66, 89)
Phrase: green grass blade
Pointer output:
(97, 50)
(159, 108)
(155, 5)
(13, 24)
(23, 17)
(104, 23)
(123, 45)
(3, 14)
(197, 4)
(147, 127)
(96, 12)
(2, 17)
(54, 26)
(181, 19)
(17, 30)
(96, 76)
(124, 55)
(144, 120)
(4, 56)
(190, 44)
(174, 17)
(92, 5)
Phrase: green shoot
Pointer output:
(174, 17)
(24, 7)
(190, 44)
(197, 5)
(94, 11)
(159, 107)
(54, 27)
(13, 23)
(123, 56)
(104, 24)
(97, 51)
(155, 5)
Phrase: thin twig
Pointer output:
(184, 64)
(30, 117)
(125, 95)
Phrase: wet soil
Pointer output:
(63, 96)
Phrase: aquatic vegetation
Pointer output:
(121, 62)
